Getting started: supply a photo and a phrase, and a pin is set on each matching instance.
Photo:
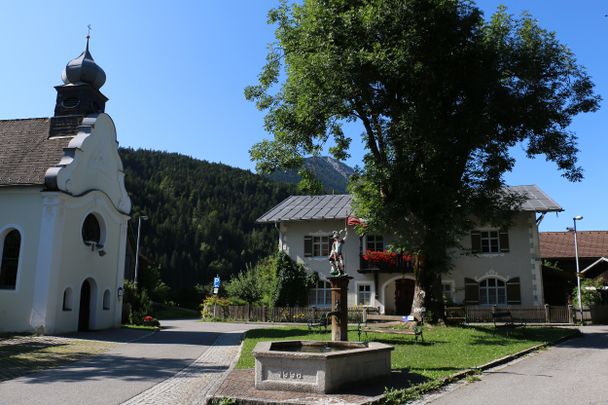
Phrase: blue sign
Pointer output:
(216, 282)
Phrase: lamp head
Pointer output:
(577, 218)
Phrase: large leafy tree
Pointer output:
(442, 95)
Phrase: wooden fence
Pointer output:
(249, 313)
(468, 314)
(531, 314)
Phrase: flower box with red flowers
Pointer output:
(387, 261)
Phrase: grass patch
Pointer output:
(445, 351)
(142, 327)
(20, 355)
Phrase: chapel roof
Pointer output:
(30, 146)
(338, 206)
(561, 244)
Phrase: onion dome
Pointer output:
(83, 69)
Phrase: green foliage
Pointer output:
(292, 286)
(246, 286)
(201, 220)
(590, 292)
(136, 302)
(211, 302)
(275, 281)
(442, 95)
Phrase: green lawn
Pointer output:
(446, 350)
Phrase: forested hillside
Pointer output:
(201, 216)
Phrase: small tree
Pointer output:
(292, 285)
(590, 293)
(246, 286)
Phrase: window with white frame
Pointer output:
(316, 246)
(364, 294)
(320, 294)
(492, 291)
(490, 241)
(375, 243)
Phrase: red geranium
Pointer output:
(148, 318)
(385, 258)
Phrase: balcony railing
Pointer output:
(385, 262)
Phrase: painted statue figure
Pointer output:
(336, 257)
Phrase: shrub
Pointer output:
(209, 303)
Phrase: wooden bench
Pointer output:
(318, 322)
(409, 327)
(504, 320)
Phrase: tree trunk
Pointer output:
(418, 308)
(428, 292)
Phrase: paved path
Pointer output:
(574, 372)
(175, 365)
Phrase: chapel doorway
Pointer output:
(404, 296)
(84, 314)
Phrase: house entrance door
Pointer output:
(404, 296)
(85, 306)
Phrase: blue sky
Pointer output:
(176, 73)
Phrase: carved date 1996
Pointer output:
(291, 375)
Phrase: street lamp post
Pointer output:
(578, 273)
(144, 218)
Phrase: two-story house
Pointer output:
(494, 267)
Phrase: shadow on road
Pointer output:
(127, 369)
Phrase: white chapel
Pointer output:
(63, 212)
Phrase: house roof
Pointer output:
(309, 207)
(306, 207)
(537, 200)
(561, 244)
(30, 146)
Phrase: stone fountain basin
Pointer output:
(319, 367)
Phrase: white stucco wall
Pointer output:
(292, 237)
(79, 263)
(521, 261)
(20, 208)
(53, 257)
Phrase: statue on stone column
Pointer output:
(336, 257)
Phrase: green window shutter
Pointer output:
(504, 241)
(513, 291)
(475, 241)
(308, 246)
(471, 291)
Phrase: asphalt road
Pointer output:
(573, 372)
(124, 371)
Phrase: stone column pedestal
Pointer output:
(339, 305)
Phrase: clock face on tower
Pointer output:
(71, 102)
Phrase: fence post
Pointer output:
(547, 317)
(570, 314)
